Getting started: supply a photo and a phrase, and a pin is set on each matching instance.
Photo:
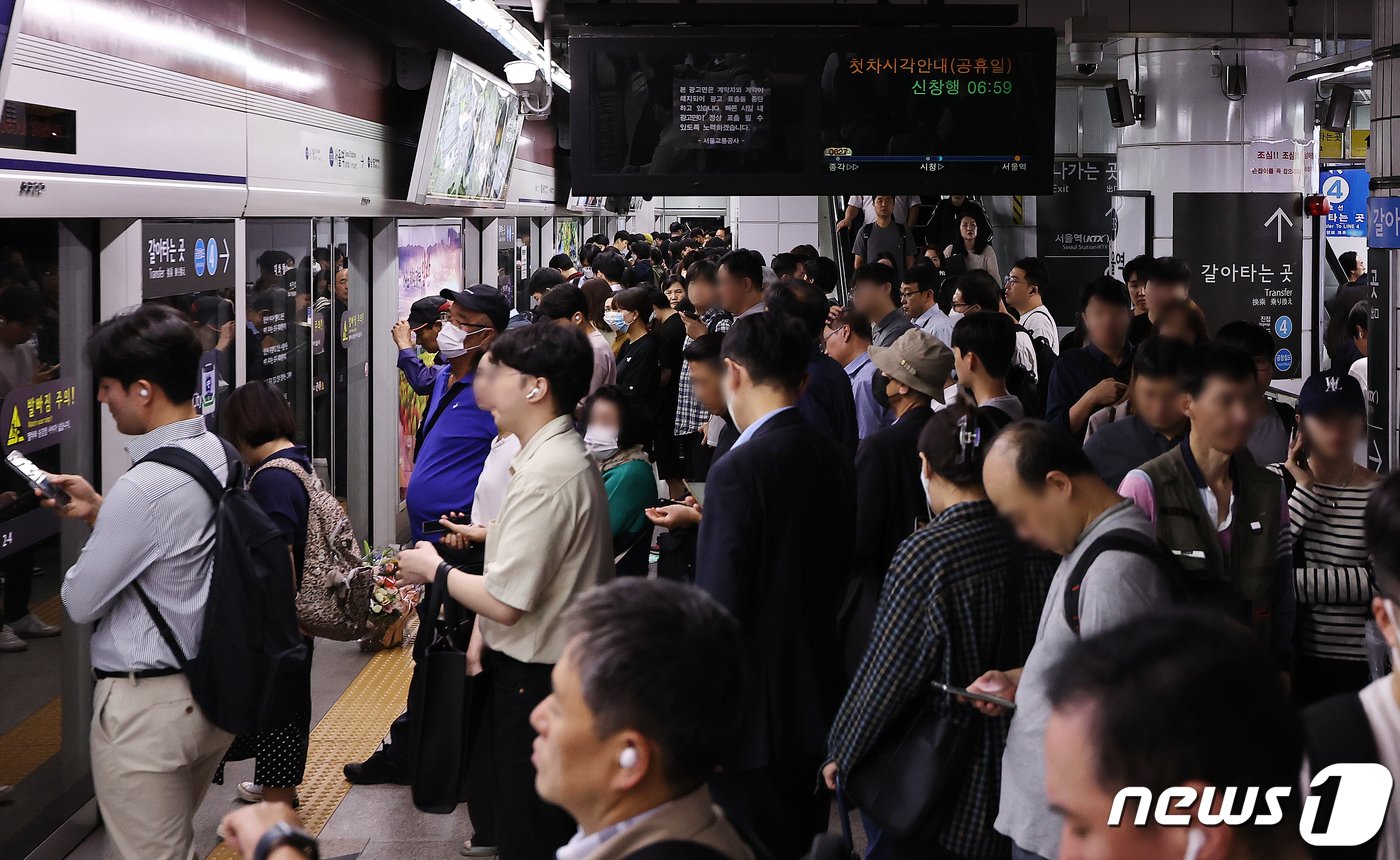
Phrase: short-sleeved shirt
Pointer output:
(1118, 586)
(901, 207)
(454, 450)
(1040, 323)
(872, 241)
(551, 541)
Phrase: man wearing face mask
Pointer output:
(454, 440)
(909, 375)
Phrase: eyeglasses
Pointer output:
(910, 293)
(958, 305)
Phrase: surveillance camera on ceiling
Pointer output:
(1085, 37)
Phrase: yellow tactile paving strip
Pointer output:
(35, 740)
(349, 731)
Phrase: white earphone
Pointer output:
(1195, 841)
(534, 392)
(628, 759)
(145, 392)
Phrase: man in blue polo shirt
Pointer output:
(455, 435)
(453, 441)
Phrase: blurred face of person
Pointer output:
(1333, 436)
(1137, 288)
(1018, 289)
(967, 228)
(675, 294)
(1107, 324)
(1074, 792)
(1041, 515)
(884, 206)
(14, 332)
(1224, 413)
(838, 343)
(707, 381)
(1178, 327)
(871, 299)
(1158, 401)
(734, 292)
(482, 382)
(702, 294)
(913, 302)
(604, 414)
(1264, 370)
(1159, 294)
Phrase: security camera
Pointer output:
(524, 77)
(1085, 37)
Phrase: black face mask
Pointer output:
(877, 387)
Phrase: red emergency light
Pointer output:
(1316, 205)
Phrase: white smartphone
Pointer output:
(973, 694)
(37, 478)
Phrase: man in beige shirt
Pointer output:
(550, 542)
(647, 698)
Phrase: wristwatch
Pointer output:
(283, 834)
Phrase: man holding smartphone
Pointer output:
(153, 750)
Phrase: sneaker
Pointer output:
(11, 643)
(251, 792)
(470, 850)
(30, 627)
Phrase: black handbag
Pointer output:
(442, 739)
(904, 777)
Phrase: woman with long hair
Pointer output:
(973, 249)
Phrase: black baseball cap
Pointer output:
(425, 312)
(483, 299)
(1331, 392)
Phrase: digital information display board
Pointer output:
(835, 111)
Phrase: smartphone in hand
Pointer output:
(37, 478)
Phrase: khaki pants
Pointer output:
(153, 754)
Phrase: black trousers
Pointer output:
(18, 570)
(501, 775)
(778, 805)
(399, 749)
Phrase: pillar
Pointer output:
(1385, 182)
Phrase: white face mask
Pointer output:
(452, 340)
(928, 489)
(601, 442)
(615, 321)
(955, 316)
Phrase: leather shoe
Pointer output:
(376, 770)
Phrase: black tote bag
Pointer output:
(442, 742)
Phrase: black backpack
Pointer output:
(1021, 385)
(1045, 359)
(251, 655)
(1122, 540)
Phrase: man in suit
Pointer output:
(645, 701)
(828, 401)
(909, 375)
(763, 557)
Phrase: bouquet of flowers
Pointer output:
(390, 603)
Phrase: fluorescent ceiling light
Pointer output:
(511, 33)
(1336, 66)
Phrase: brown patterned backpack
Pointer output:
(333, 601)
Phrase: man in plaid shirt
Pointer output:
(691, 416)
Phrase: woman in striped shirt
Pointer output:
(1331, 564)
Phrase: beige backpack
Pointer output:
(333, 600)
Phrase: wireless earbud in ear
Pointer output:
(145, 392)
(533, 393)
(628, 759)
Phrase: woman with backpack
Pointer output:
(259, 423)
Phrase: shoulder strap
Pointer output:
(1016, 574)
(189, 463)
(903, 233)
(865, 231)
(427, 426)
(309, 481)
(161, 625)
(1119, 540)
(676, 849)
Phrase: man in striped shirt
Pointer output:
(691, 415)
(153, 752)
